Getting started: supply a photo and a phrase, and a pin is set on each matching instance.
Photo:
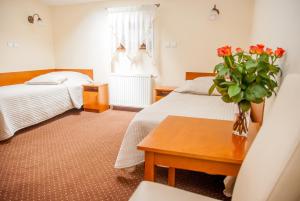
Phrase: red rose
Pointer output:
(239, 50)
(259, 49)
(279, 52)
(252, 49)
(220, 52)
(224, 51)
(260, 46)
(227, 50)
(269, 51)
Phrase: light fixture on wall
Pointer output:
(31, 18)
(214, 13)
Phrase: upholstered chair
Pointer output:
(271, 169)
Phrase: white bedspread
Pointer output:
(201, 106)
(26, 105)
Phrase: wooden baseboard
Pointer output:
(129, 109)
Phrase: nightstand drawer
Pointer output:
(90, 88)
(90, 99)
(95, 97)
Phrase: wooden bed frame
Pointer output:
(11, 78)
(193, 75)
(257, 110)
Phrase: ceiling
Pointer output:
(64, 2)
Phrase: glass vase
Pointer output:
(241, 123)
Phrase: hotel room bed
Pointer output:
(181, 104)
(24, 105)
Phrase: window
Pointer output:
(132, 29)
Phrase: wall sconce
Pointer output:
(31, 18)
(214, 13)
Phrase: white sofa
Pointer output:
(271, 170)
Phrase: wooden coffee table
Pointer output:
(195, 144)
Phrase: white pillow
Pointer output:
(73, 76)
(54, 78)
(198, 86)
(47, 80)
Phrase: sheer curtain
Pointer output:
(132, 27)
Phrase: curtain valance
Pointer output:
(133, 27)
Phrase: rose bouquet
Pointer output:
(246, 77)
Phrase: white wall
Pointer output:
(81, 35)
(276, 23)
(35, 44)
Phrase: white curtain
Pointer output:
(132, 27)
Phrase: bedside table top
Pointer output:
(94, 84)
(164, 88)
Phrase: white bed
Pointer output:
(181, 104)
(24, 105)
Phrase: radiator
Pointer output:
(130, 90)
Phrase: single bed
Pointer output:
(180, 104)
(24, 105)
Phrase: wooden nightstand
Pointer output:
(95, 97)
(161, 92)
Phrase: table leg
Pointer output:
(149, 166)
(229, 182)
(171, 176)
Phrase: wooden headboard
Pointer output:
(193, 75)
(11, 78)
(88, 72)
(257, 110)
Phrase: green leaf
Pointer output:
(227, 83)
(245, 105)
(243, 86)
(274, 69)
(236, 76)
(264, 58)
(250, 64)
(249, 95)
(238, 98)
(258, 79)
(218, 67)
(269, 94)
(264, 75)
(226, 99)
(247, 57)
(273, 83)
(222, 91)
(240, 68)
(250, 78)
(211, 89)
(218, 80)
(234, 90)
(262, 66)
(240, 57)
(259, 91)
(223, 71)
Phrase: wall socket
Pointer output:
(171, 44)
(12, 44)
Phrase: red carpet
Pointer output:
(71, 157)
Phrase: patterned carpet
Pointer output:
(71, 157)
